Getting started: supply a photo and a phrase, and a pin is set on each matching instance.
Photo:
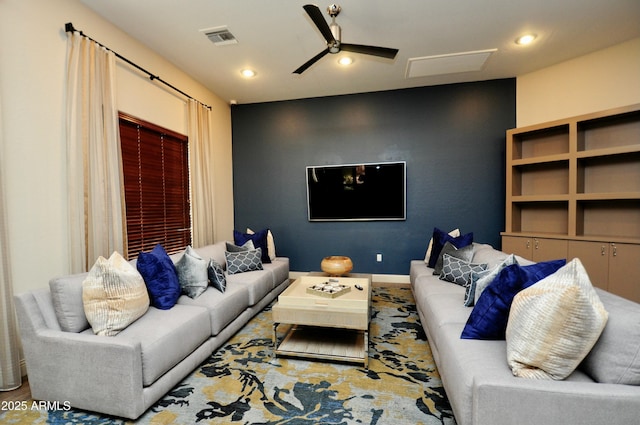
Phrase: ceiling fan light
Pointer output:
(345, 60)
(525, 39)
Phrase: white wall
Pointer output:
(601, 80)
(32, 74)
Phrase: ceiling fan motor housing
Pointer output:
(333, 10)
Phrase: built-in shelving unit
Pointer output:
(578, 179)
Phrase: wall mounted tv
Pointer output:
(357, 192)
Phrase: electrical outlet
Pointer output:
(379, 258)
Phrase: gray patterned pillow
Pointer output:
(192, 273)
(216, 276)
(459, 271)
(245, 261)
(465, 253)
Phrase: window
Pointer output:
(156, 185)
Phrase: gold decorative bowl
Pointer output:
(336, 265)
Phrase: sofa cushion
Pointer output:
(488, 320)
(223, 308)
(463, 363)
(615, 358)
(214, 251)
(554, 324)
(485, 253)
(244, 261)
(167, 337)
(465, 253)
(216, 275)
(66, 295)
(192, 273)
(160, 276)
(440, 238)
(258, 283)
(459, 271)
(259, 241)
(113, 295)
(440, 304)
(279, 269)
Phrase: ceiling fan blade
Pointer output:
(311, 61)
(383, 52)
(316, 16)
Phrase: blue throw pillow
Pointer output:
(440, 238)
(489, 317)
(259, 241)
(160, 276)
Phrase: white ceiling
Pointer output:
(276, 37)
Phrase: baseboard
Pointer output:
(392, 278)
(401, 279)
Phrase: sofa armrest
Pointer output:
(89, 371)
(526, 401)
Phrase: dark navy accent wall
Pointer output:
(451, 136)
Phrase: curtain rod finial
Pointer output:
(68, 27)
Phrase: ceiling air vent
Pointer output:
(220, 36)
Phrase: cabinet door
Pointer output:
(549, 249)
(517, 245)
(624, 270)
(594, 256)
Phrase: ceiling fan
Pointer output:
(331, 33)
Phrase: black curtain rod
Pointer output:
(68, 27)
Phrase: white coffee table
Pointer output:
(321, 327)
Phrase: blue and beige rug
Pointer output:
(243, 383)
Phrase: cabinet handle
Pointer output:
(528, 243)
(537, 243)
(615, 249)
(603, 250)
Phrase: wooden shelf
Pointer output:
(618, 150)
(576, 179)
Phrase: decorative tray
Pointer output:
(328, 289)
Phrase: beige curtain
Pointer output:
(201, 165)
(10, 376)
(94, 160)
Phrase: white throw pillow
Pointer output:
(553, 324)
(454, 234)
(271, 244)
(114, 295)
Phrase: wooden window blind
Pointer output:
(156, 186)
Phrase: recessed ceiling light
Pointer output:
(345, 60)
(248, 73)
(525, 39)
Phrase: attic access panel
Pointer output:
(453, 63)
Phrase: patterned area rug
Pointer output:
(243, 383)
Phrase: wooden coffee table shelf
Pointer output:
(324, 343)
(321, 328)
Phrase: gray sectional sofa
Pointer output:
(123, 375)
(481, 386)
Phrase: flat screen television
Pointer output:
(357, 192)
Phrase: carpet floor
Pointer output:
(243, 383)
